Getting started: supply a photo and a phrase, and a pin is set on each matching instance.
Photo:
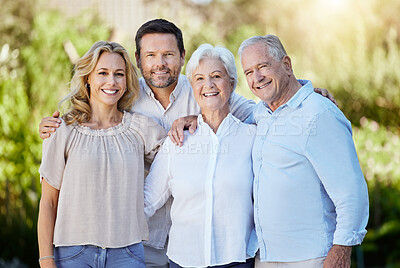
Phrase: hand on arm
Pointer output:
(46, 222)
(324, 92)
(180, 124)
(49, 125)
(338, 256)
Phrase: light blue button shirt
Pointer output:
(309, 190)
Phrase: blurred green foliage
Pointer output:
(350, 47)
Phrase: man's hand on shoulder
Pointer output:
(49, 125)
(179, 125)
(338, 256)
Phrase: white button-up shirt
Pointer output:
(182, 103)
(211, 180)
(309, 191)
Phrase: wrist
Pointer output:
(46, 258)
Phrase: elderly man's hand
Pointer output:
(48, 125)
(180, 124)
(324, 92)
(338, 256)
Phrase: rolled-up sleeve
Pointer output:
(331, 151)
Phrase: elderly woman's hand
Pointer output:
(324, 92)
(176, 132)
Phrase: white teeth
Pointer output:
(109, 91)
(210, 94)
(267, 84)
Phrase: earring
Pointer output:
(87, 85)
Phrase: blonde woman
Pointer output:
(91, 210)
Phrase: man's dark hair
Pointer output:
(159, 26)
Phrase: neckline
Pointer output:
(126, 118)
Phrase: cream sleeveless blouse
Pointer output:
(100, 175)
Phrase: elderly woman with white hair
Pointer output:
(210, 176)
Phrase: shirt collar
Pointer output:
(301, 94)
(262, 109)
(223, 129)
(294, 102)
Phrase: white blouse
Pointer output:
(211, 179)
(100, 175)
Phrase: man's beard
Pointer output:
(163, 84)
(158, 83)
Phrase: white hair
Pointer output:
(272, 42)
(208, 51)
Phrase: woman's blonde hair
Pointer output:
(79, 96)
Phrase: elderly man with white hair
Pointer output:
(310, 196)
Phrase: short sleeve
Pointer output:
(152, 134)
(53, 156)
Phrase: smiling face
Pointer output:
(267, 78)
(107, 80)
(160, 61)
(211, 85)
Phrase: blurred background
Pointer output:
(350, 47)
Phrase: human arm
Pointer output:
(336, 164)
(152, 134)
(176, 132)
(51, 173)
(240, 107)
(156, 184)
(49, 125)
(46, 222)
(338, 256)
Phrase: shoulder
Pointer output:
(135, 118)
(184, 81)
(315, 105)
(143, 124)
(64, 130)
(184, 85)
(61, 136)
(320, 108)
(247, 129)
